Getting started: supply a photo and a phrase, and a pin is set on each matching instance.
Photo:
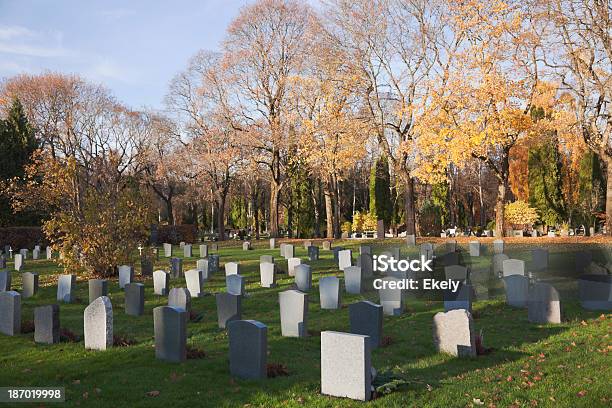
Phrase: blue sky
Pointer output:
(132, 47)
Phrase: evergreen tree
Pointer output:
(17, 143)
(545, 183)
(381, 203)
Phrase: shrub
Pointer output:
(520, 214)
(22, 237)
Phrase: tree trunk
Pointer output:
(221, 218)
(329, 209)
(170, 210)
(315, 206)
(499, 209)
(336, 197)
(609, 196)
(409, 207)
(274, 204)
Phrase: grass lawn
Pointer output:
(563, 365)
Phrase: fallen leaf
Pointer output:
(477, 401)
(76, 382)
(153, 393)
(581, 393)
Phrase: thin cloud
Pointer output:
(19, 40)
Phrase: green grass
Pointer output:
(563, 365)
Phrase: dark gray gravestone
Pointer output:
(47, 324)
(366, 263)
(97, 288)
(453, 333)
(461, 299)
(343, 353)
(294, 313)
(98, 324)
(248, 349)
(336, 251)
(170, 327)
(229, 308)
(365, 249)
(329, 292)
(176, 267)
(448, 259)
(391, 298)
(180, 297)
(539, 259)
(213, 264)
(5, 281)
(161, 282)
(146, 267)
(3, 261)
(10, 313)
(517, 290)
(134, 299)
(313, 253)
(380, 229)
(30, 284)
(367, 318)
(543, 304)
(595, 291)
(456, 272)
(66, 285)
(582, 260)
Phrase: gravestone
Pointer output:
(293, 313)
(517, 290)
(346, 369)
(2, 262)
(194, 279)
(203, 250)
(23, 253)
(98, 324)
(235, 284)
(498, 246)
(232, 268)
(303, 277)
(170, 328)
(336, 251)
(134, 299)
(19, 262)
(353, 280)
(366, 318)
(30, 284)
(146, 266)
(5, 281)
(248, 349)
(167, 250)
(456, 272)
(49, 253)
(229, 308)
(47, 324)
(291, 264)
(203, 265)
(451, 245)
(182, 244)
(180, 298)
(345, 259)
(380, 229)
(282, 250)
(187, 251)
(176, 267)
(391, 299)
(213, 263)
(307, 244)
(327, 245)
(365, 249)
(448, 259)
(453, 333)
(35, 253)
(582, 260)
(595, 291)
(266, 258)
(161, 282)
(288, 251)
(474, 248)
(411, 240)
(126, 275)
(246, 246)
(329, 292)
(513, 267)
(539, 259)
(461, 299)
(272, 243)
(426, 250)
(66, 285)
(313, 253)
(543, 304)
(10, 313)
(214, 247)
(366, 264)
(267, 274)
(498, 264)
(97, 288)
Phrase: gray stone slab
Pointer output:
(66, 286)
(266, 258)
(475, 248)
(293, 313)
(517, 290)
(498, 264)
(453, 333)
(126, 275)
(187, 251)
(97, 288)
(346, 369)
(327, 245)
(461, 299)
(176, 267)
(391, 299)
(353, 280)
(5, 281)
(291, 264)
(365, 249)
(134, 299)
(411, 240)
(10, 313)
(194, 279)
(539, 259)
(582, 260)
(366, 318)
(30, 284)
(232, 268)
(248, 349)
(513, 267)
(19, 262)
(329, 292)
(366, 263)
(235, 284)
(170, 328)
(303, 277)
(498, 246)
(273, 243)
(543, 304)
(203, 251)
(345, 259)
(595, 291)
(313, 253)
(380, 229)
(267, 274)
(288, 251)
(167, 250)
(47, 324)
(98, 324)
(456, 272)
(161, 282)
(146, 266)
(213, 263)
(229, 308)
(180, 298)
(246, 246)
